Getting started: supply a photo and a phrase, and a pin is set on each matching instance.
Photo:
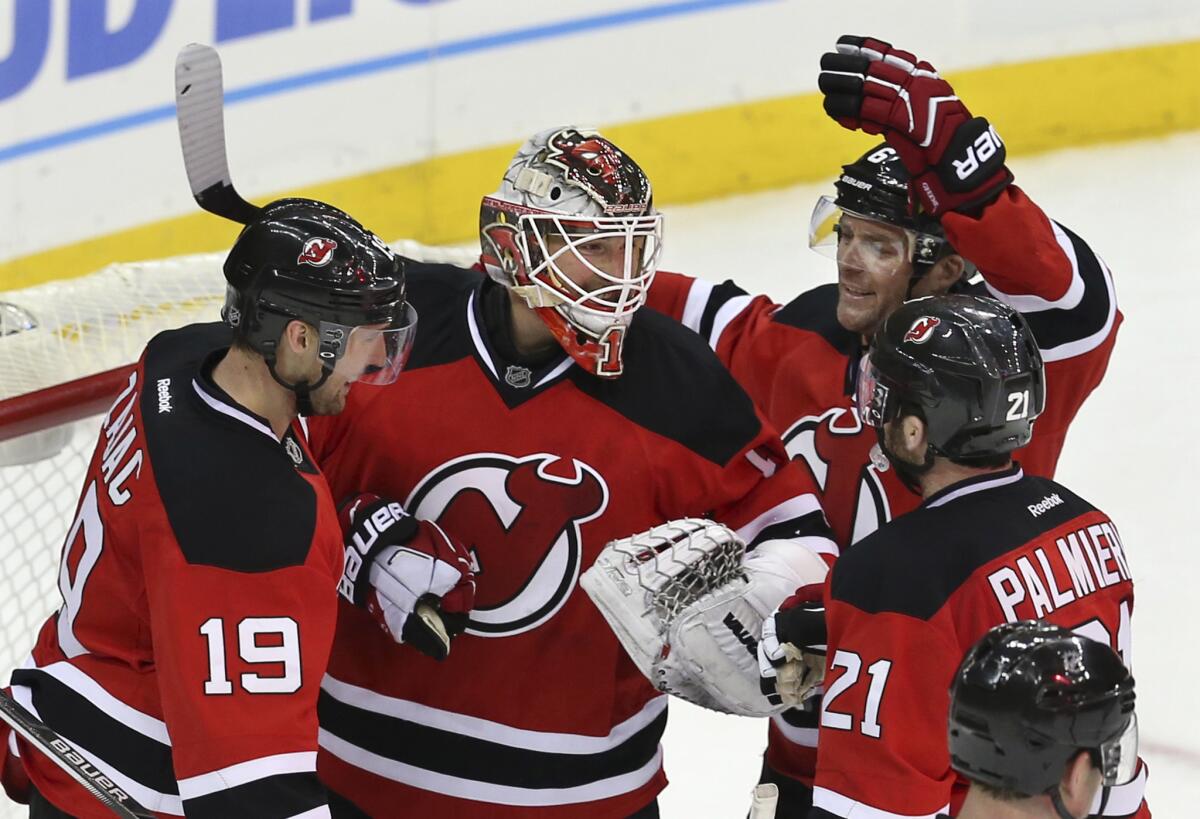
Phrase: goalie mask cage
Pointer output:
(66, 349)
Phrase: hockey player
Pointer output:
(542, 415)
(895, 240)
(1040, 719)
(952, 386)
(200, 576)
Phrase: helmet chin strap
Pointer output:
(1059, 807)
(302, 389)
(908, 473)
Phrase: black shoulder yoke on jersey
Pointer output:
(675, 386)
(232, 494)
(913, 564)
(816, 311)
(439, 293)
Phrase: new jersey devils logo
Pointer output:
(317, 251)
(521, 518)
(922, 329)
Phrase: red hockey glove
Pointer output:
(791, 653)
(420, 586)
(955, 161)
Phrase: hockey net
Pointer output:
(65, 352)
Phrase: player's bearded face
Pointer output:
(606, 253)
(873, 272)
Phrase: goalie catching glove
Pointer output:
(955, 161)
(419, 586)
(687, 602)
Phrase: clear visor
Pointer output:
(871, 396)
(1118, 756)
(370, 353)
(599, 270)
(859, 241)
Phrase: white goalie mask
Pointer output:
(572, 230)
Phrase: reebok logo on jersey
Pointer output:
(743, 636)
(1045, 504)
(922, 329)
(317, 251)
(164, 395)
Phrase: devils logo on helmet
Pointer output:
(922, 329)
(602, 169)
(317, 251)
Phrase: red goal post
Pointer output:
(65, 352)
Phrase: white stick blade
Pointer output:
(199, 104)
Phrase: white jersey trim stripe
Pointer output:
(1080, 346)
(249, 771)
(790, 509)
(72, 677)
(982, 486)
(697, 300)
(486, 791)
(477, 339)
(556, 372)
(840, 805)
(1123, 800)
(806, 737)
(726, 314)
(316, 813)
(1034, 304)
(147, 797)
(525, 739)
(233, 412)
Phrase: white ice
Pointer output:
(1131, 451)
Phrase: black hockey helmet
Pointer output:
(1028, 697)
(968, 366)
(307, 260)
(875, 186)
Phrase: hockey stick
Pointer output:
(64, 755)
(200, 112)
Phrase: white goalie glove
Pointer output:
(688, 603)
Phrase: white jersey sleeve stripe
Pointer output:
(728, 312)
(840, 805)
(249, 771)
(316, 813)
(1033, 304)
(697, 300)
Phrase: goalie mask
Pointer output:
(573, 232)
(305, 260)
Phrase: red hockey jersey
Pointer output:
(800, 366)
(537, 712)
(905, 605)
(199, 585)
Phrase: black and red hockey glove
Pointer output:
(955, 161)
(419, 585)
(791, 652)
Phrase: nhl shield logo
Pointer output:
(518, 377)
(317, 251)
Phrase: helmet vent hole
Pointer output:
(555, 193)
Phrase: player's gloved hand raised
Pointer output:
(419, 585)
(791, 651)
(955, 161)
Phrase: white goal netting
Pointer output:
(59, 334)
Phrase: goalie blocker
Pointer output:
(688, 603)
